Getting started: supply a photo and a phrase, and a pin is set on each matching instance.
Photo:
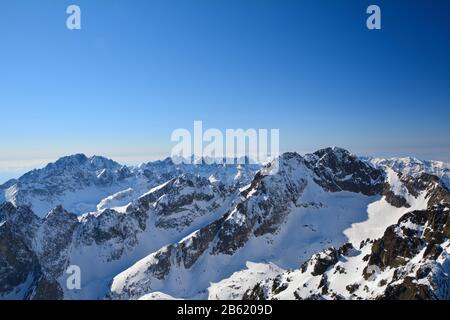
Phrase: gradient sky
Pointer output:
(140, 69)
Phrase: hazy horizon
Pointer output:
(13, 169)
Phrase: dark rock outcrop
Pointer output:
(339, 170)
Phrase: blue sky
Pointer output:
(140, 69)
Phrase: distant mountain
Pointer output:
(327, 225)
(415, 167)
(83, 184)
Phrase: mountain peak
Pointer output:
(8, 184)
(60, 214)
(191, 217)
(78, 158)
(103, 162)
(75, 162)
(337, 151)
(338, 170)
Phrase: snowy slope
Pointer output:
(234, 287)
(382, 214)
(282, 218)
(165, 214)
(407, 260)
(403, 264)
(197, 231)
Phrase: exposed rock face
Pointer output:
(111, 231)
(339, 170)
(437, 192)
(46, 244)
(45, 289)
(414, 231)
(418, 235)
(261, 214)
(258, 292)
(80, 183)
(323, 262)
(408, 289)
(316, 267)
(253, 216)
(21, 220)
(266, 203)
(113, 234)
(17, 262)
(187, 198)
(264, 206)
(54, 240)
(167, 227)
(42, 189)
(33, 251)
(198, 243)
(396, 200)
(410, 262)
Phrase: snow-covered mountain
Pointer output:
(415, 167)
(83, 184)
(303, 227)
(409, 261)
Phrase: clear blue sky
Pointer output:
(139, 69)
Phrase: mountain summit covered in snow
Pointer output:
(326, 225)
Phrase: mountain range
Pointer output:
(326, 225)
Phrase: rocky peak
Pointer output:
(8, 184)
(339, 170)
(7, 210)
(74, 165)
(72, 160)
(59, 216)
(188, 198)
(100, 162)
(17, 262)
(179, 220)
(53, 239)
(333, 152)
(21, 219)
(33, 251)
